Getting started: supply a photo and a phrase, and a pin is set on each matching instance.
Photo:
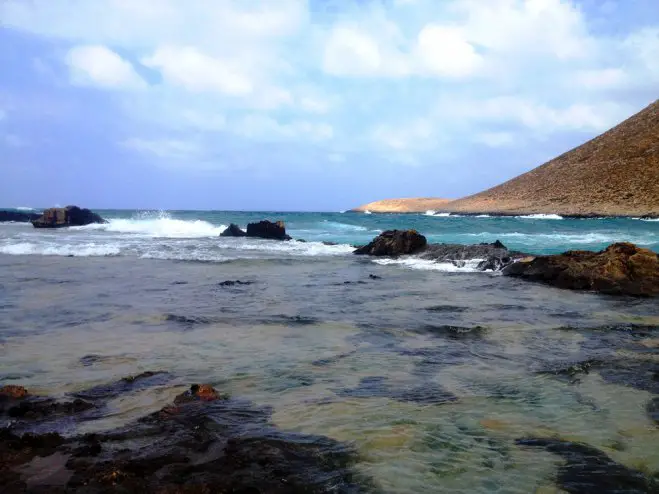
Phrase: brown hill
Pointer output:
(412, 205)
(615, 174)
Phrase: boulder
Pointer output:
(233, 231)
(17, 216)
(68, 216)
(620, 269)
(394, 243)
(268, 229)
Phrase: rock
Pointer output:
(495, 256)
(394, 243)
(199, 392)
(12, 391)
(68, 216)
(620, 269)
(268, 229)
(17, 216)
(233, 231)
(234, 283)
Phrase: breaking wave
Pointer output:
(76, 250)
(160, 226)
(541, 217)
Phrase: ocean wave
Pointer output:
(335, 225)
(482, 216)
(367, 212)
(77, 250)
(24, 208)
(292, 247)
(469, 266)
(534, 239)
(430, 212)
(162, 226)
(441, 215)
(540, 217)
(646, 219)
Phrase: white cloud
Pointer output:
(351, 52)
(97, 65)
(599, 78)
(444, 51)
(405, 136)
(195, 71)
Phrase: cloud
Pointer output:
(96, 65)
(195, 71)
(444, 51)
(164, 148)
(495, 139)
(264, 128)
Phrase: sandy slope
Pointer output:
(617, 173)
(411, 205)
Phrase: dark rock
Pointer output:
(12, 392)
(394, 243)
(199, 392)
(187, 320)
(374, 277)
(233, 231)
(40, 408)
(68, 216)
(17, 216)
(496, 256)
(234, 283)
(268, 230)
(325, 242)
(620, 269)
(588, 470)
(125, 385)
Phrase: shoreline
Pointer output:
(514, 215)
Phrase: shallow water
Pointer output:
(431, 375)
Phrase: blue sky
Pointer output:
(305, 105)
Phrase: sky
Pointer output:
(306, 105)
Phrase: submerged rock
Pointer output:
(492, 257)
(620, 269)
(68, 216)
(204, 442)
(394, 243)
(17, 216)
(268, 229)
(588, 470)
(233, 231)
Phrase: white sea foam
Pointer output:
(159, 227)
(81, 250)
(430, 212)
(367, 212)
(647, 219)
(24, 208)
(335, 225)
(442, 215)
(482, 216)
(470, 266)
(292, 247)
(541, 217)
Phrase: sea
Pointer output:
(432, 371)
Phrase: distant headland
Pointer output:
(614, 174)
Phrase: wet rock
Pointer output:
(233, 231)
(493, 257)
(199, 392)
(268, 230)
(68, 216)
(125, 385)
(446, 308)
(16, 450)
(234, 283)
(653, 409)
(620, 269)
(374, 277)
(17, 216)
(394, 243)
(41, 408)
(378, 387)
(12, 392)
(588, 470)
(456, 332)
(187, 320)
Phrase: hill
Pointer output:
(410, 205)
(616, 173)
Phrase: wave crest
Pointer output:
(161, 225)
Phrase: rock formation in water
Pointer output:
(620, 269)
(17, 216)
(408, 205)
(68, 216)
(233, 231)
(201, 443)
(394, 243)
(268, 229)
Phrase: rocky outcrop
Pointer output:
(394, 243)
(17, 216)
(268, 229)
(68, 216)
(233, 231)
(492, 257)
(620, 269)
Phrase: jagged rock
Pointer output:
(17, 216)
(394, 243)
(268, 229)
(233, 231)
(68, 216)
(620, 269)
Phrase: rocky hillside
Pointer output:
(412, 205)
(616, 173)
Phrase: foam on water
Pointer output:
(334, 225)
(441, 215)
(161, 226)
(82, 250)
(469, 266)
(24, 208)
(367, 212)
(430, 212)
(541, 217)
(534, 239)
